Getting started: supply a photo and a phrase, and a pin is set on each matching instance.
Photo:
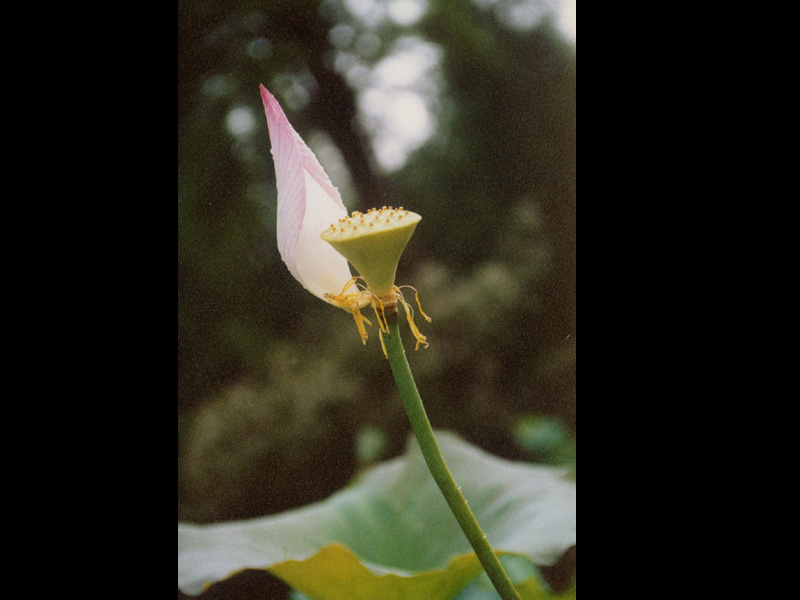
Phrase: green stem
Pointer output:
(438, 468)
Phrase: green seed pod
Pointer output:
(373, 243)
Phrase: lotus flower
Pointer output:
(317, 238)
(307, 203)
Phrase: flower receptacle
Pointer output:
(373, 243)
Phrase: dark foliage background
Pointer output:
(279, 404)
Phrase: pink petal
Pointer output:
(307, 204)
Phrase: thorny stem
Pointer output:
(436, 463)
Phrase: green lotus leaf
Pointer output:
(390, 535)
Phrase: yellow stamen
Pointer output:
(355, 302)
(416, 295)
(377, 302)
(383, 345)
(421, 339)
(360, 320)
